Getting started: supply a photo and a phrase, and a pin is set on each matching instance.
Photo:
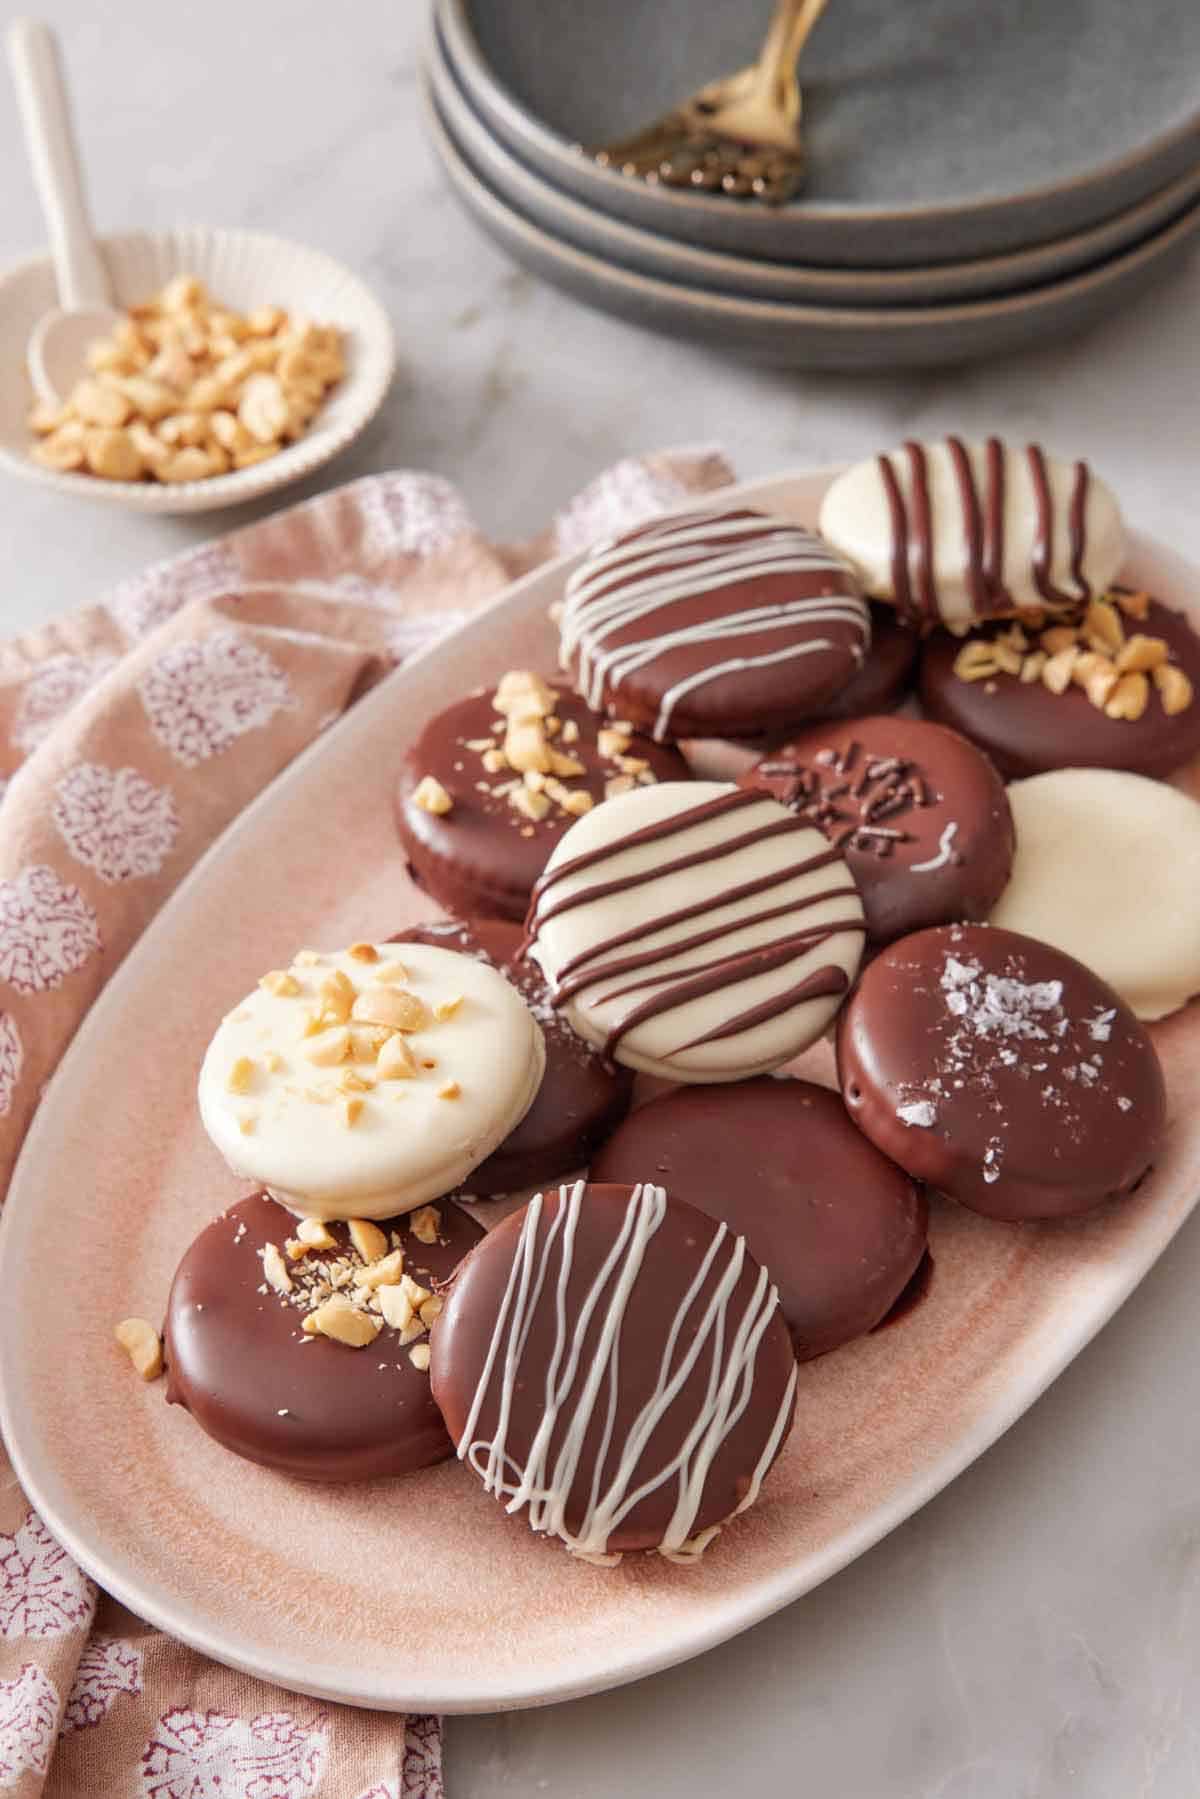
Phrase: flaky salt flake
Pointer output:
(1125, 1105)
(1100, 1027)
(919, 1112)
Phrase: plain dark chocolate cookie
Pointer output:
(723, 623)
(615, 1365)
(239, 1360)
(1002, 1072)
(919, 814)
(840, 1227)
(888, 673)
(583, 1095)
(477, 831)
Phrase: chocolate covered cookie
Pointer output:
(1108, 867)
(1114, 689)
(888, 672)
(918, 813)
(1001, 1071)
(281, 1366)
(699, 932)
(616, 1366)
(583, 1095)
(840, 1227)
(358, 1083)
(723, 623)
(953, 533)
(490, 785)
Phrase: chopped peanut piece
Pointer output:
(493, 761)
(351, 1082)
(363, 952)
(1129, 698)
(1006, 659)
(368, 1239)
(1102, 626)
(141, 1344)
(396, 1306)
(446, 1008)
(1096, 675)
(416, 1292)
(328, 1048)
(395, 1061)
(1031, 668)
(1056, 674)
(351, 1109)
(451, 1090)
(425, 1224)
(1174, 689)
(431, 1309)
(976, 661)
(401, 1011)
(611, 742)
(523, 694)
(390, 971)
(307, 958)
(279, 982)
(534, 806)
(240, 1075)
(385, 1272)
(418, 1355)
(275, 1268)
(431, 796)
(1058, 637)
(1133, 605)
(577, 803)
(314, 1233)
(1139, 654)
(336, 996)
(616, 785)
(525, 746)
(338, 1319)
(567, 767)
(247, 1123)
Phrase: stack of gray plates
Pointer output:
(984, 175)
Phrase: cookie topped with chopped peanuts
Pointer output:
(490, 785)
(363, 1082)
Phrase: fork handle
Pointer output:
(789, 31)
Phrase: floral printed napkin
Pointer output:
(131, 733)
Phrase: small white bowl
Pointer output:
(242, 270)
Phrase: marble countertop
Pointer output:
(1035, 1632)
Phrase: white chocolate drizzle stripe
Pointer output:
(944, 852)
(546, 1491)
(657, 571)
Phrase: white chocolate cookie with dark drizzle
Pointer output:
(714, 624)
(362, 1083)
(697, 931)
(953, 533)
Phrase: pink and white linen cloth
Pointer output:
(131, 733)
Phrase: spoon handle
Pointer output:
(50, 141)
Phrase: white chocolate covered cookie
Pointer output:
(952, 533)
(697, 931)
(363, 1083)
(1108, 868)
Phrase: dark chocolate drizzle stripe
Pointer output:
(1077, 524)
(782, 827)
(569, 981)
(968, 495)
(664, 827)
(730, 971)
(898, 516)
(922, 530)
(993, 523)
(816, 933)
(820, 984)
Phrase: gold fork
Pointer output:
(739, 135)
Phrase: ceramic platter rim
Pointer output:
(454, 16)
(31, 1224)
(635, 248)
(886, 333)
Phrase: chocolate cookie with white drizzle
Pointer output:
(615, 1365)
(697, 930)
(918, 812)
(714, 624)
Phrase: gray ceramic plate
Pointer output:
(813, 337)
(649, 253)
(938, 132)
